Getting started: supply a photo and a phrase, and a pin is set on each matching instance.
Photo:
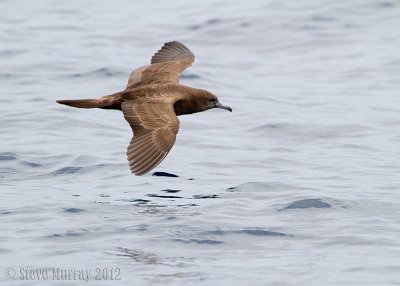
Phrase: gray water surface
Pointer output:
(298, 186)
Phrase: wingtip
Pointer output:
(137, 174)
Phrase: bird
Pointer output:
(151, 102)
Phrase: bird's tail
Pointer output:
(107, 102)
(80, 103)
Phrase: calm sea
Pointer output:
(300, 185)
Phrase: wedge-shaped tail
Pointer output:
(81, 103)
(106, 102)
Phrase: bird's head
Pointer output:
(197, 100)
(209, 101)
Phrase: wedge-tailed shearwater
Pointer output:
(151, 103)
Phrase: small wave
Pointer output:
(139, 255)
(190, 76)
(200, 241)
(74, 210)
(68, 234)
(171, 191)
(8, 156)
(308, 203)
(253, 231)
(164, 197)
(66, 170)
(206, 24)
(10, 53)
(101, 72)
(205, 196)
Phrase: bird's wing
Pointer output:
(155, 125)
(166, 66)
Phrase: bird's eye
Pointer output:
(212, 100)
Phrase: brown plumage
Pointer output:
(151, 102)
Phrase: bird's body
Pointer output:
(151, 103)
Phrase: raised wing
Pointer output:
(155, 125)
(173, 51)
(166, 66)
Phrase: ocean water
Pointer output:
(300, 185)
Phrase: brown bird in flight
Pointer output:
(151, 103)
